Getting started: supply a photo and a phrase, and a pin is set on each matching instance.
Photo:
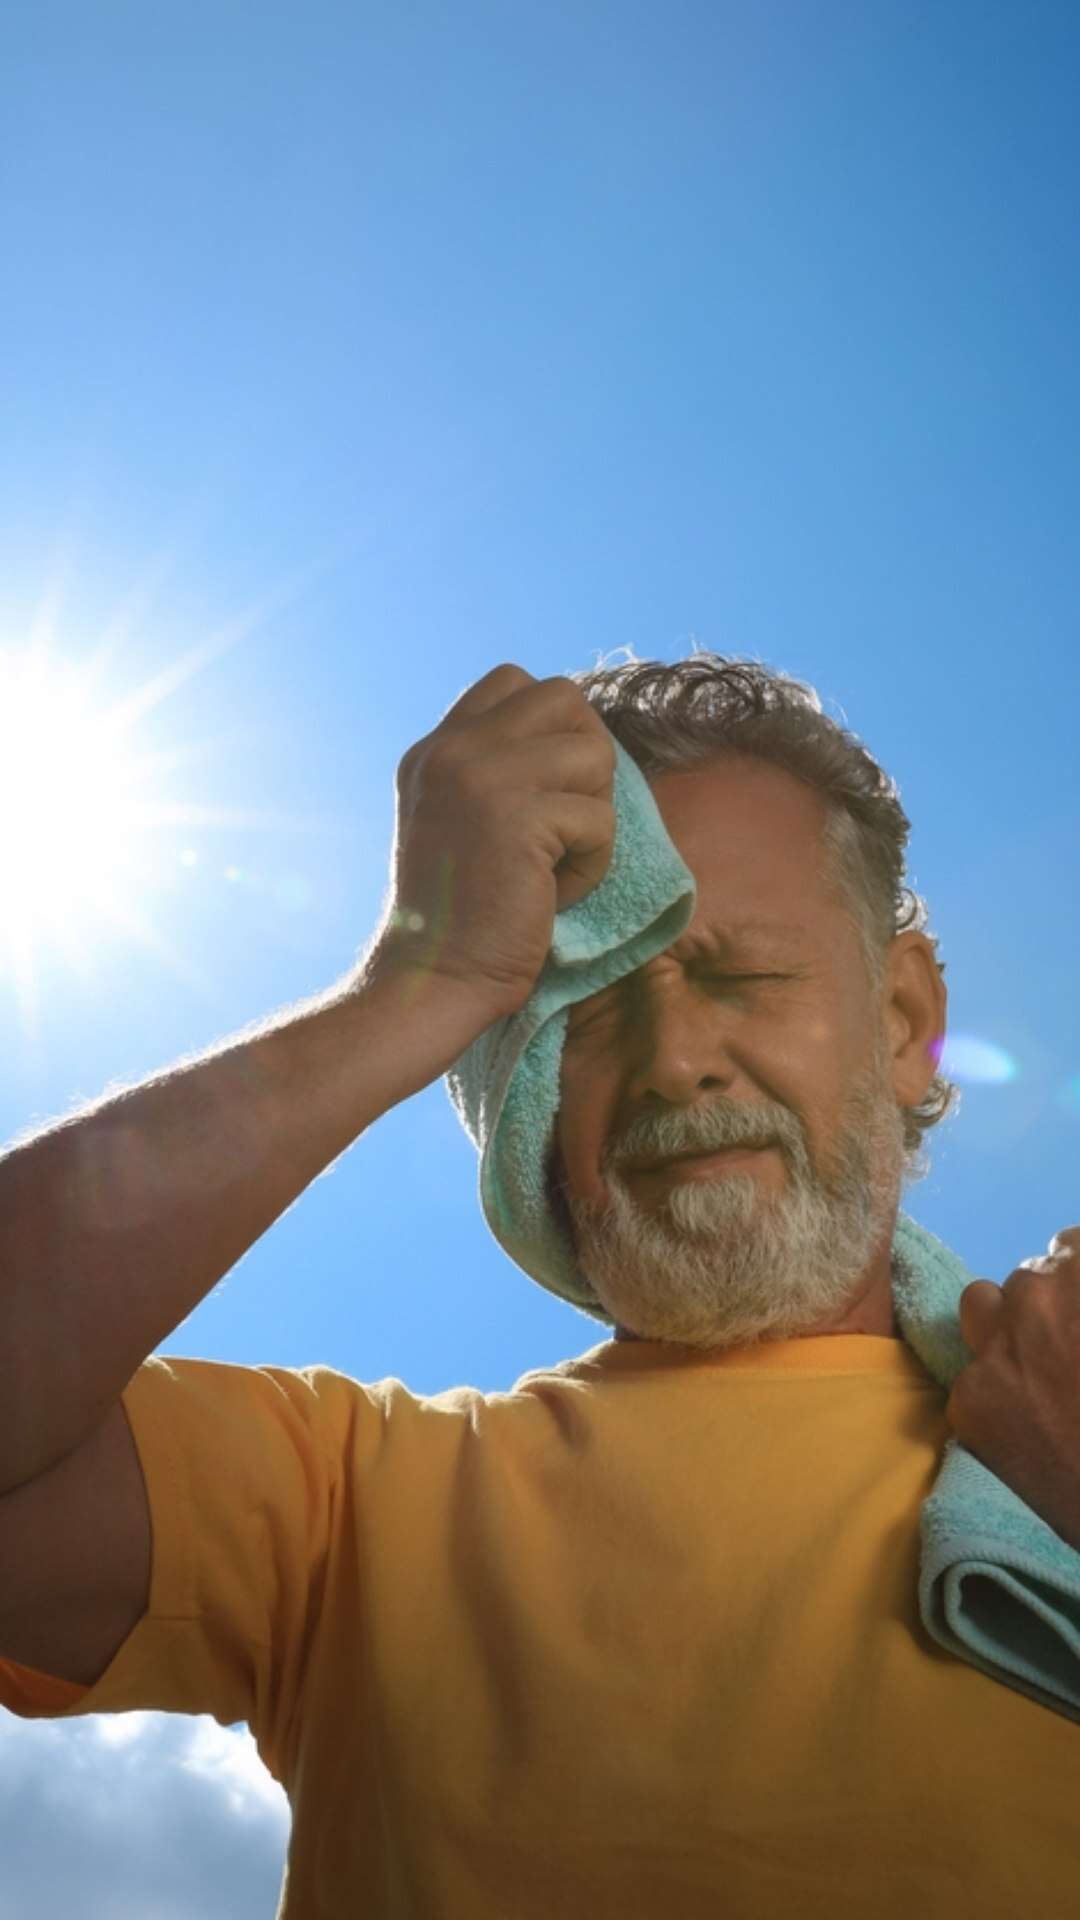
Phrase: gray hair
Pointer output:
(695, 711)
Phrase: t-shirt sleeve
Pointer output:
(243, 1469)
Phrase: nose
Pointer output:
(681, 1046)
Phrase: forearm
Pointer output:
(117, 1221)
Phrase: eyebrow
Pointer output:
(715, 939)
(728, 937)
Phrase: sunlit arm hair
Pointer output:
(675, 717)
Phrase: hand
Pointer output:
(505, 817)
(1016, 1405)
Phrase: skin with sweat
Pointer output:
(757, 1029)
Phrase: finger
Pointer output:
(537, 707)
(980, 1306)
(587, 830)
(573, 763)
(489, 692)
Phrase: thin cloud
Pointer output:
(117, 1816)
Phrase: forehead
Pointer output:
(751, 835)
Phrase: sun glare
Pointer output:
(94, 857)
(66, 796)
(77, 799)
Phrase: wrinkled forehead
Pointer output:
(728, 942)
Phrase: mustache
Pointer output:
(708, 1130)
(661, 1136)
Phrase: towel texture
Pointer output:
(997, 1586)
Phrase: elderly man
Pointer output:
(640, 1636)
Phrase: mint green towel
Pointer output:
(997, 1586)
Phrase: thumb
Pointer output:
(980, 1305)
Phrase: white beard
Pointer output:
(727, 1262)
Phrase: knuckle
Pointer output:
(570, 689)
(1036, 1280)
(509, 675)
(408, 767)
(604, 734)
(597, 759)
(450, 754)
(431, 763)
(1017, 1284)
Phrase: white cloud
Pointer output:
(137, 1815)
(229, 1758)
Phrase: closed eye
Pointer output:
(749, 976)
(582, 1024)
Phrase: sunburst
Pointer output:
(86, 828)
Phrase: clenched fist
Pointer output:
(505, 817)
(1016, 1405)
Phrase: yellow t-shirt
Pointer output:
(637, 1640)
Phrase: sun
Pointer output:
(77, 801)
(64, 791)
(89, 846)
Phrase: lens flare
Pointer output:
(973, 1062)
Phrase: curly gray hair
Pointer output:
(680, 716)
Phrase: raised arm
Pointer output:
(115, 1222)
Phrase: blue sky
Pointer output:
(350, 351)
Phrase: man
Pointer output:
(639, 1637)
(769, 1045)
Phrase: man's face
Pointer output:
(765, 1036)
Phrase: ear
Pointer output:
(916, 1014)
